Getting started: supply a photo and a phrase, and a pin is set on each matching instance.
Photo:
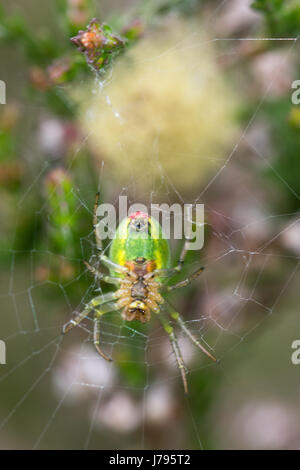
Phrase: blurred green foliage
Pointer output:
(285, 133)
(63, 217)
(282, 17)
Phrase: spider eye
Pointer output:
(140, 225)
(139, 222)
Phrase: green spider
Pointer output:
(139, 265)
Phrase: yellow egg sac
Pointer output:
(165, 114)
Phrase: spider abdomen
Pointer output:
(140, 236)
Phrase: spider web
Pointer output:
(70, 397)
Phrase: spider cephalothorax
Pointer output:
(139, 265)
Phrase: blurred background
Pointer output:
(191, 103)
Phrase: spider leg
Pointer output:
(176, 269)
(105, 259)
(92, 305)
(176, 350)
(109, 279)
(186, 281)
(111, 265)
(183, 254)
(109, 307)
(175, 315)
